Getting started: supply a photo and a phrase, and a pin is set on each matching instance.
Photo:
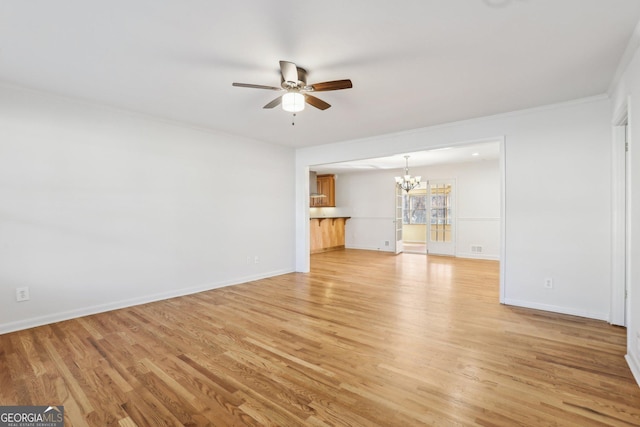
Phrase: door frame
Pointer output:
(421, 186)
(302, 256)
(397, 222)
(620, 264)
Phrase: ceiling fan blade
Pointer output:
(316, 102)
(256, 86)
(289, 71)
(333, 85)
(274, 103)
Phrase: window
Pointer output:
(414, 208)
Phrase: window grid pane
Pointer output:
(440, 213)
(415, 209)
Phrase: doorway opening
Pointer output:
(428, 218)
(365, 194)
(414, 219)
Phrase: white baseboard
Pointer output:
(469, 255)
(101, 308)
(634, 365)
(557, 309)
(472, 255)
(369, 248)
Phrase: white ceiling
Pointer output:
(413, 63)
(458, 154)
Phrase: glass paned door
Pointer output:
(441, 229)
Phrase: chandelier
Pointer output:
(407, 182)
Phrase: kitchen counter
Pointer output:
(327, 233)
(330, 217)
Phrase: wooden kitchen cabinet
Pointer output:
(326, 186)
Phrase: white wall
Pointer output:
(557, 161)
(477, 198)
(101, 209)
(370, 199)
(627, 92)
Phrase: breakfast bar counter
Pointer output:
(327, 233)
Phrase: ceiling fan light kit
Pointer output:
(293, 102)
(293, 81)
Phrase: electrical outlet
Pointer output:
(256, 259)
(548, 283)
(22, 294)
(386, 243)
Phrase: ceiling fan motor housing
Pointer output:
(300, 84)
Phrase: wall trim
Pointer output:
(557, 309)
(478, 219)
(469, 255)
(391, 150)
(459, 255)
(368, 248)
(58, 97)
(627, 57)
(634, 365)
(101, 308)
(377, 218)
(503, 219)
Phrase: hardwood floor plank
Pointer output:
(127, 422)
(73, 413)
(146, 410)
(73, 383)
(365, 339)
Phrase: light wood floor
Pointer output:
(367, 338)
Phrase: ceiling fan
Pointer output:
(293, 81)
